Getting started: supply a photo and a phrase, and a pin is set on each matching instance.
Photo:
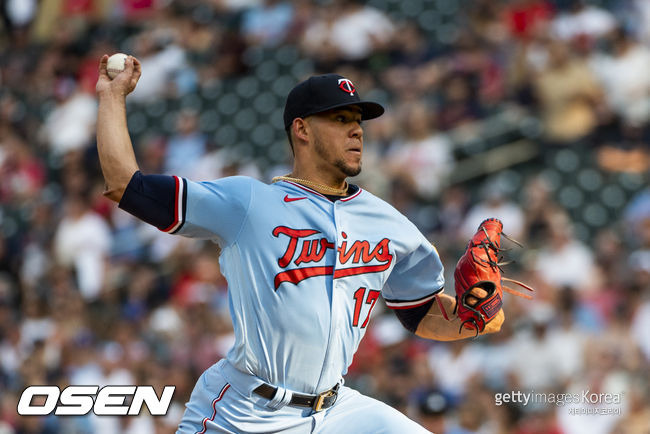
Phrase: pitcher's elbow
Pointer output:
(114, 194)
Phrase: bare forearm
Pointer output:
(435, 326)
(114, 145)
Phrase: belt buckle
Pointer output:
(320, 399)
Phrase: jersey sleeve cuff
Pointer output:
(409, 304)
(160, 200)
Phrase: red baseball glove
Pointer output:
(479, 267)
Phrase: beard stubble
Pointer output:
(339, 163)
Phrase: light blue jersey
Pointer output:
(304, 273)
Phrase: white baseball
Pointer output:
(116, 64)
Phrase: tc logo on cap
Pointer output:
(346, 86)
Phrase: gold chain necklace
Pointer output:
(320, 187)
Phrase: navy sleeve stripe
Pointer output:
(402, 304)
(180, 204)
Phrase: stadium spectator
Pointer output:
(623, 74)
(267, 24)
(583, 20)
(527, 18)
(17, 15)
(564, 260)
(186, 147)
(165, 63)
(421, 155)
(82, 242)
(348, 31)
(569, 95)
(495, 202)
(70, 125)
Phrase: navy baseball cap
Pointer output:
(320, 93)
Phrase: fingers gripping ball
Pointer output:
(116, 64)
(479, 267)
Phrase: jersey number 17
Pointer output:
(371, 299)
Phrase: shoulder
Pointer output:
(228, 190)
(234, 183)
(376, 205)
(368, 198)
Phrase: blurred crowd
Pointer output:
(89, 295)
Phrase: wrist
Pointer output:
(111, 94)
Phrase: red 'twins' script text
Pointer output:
(362, 258)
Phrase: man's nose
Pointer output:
(357, 131)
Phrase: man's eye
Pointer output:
(341, 119)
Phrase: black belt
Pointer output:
(316, 402)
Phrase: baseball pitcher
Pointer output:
(306, 258)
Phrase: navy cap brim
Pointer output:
(369, 110)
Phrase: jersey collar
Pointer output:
(309, 190)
